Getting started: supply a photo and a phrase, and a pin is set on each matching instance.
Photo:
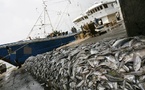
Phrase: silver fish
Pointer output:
(93, 66)
(142, 86)
(80, 83)
(131, 78)
(94, 51)
(137, 63)
(120, 42)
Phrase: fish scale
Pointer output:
(116, 64)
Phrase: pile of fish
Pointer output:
(117, 64)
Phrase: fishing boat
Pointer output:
(103, 14)
(17, 52)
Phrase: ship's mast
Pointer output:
(43, 23)
(46, 13)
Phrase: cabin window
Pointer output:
(91, 12)
(94, 10)
(101, 7)
(86, 17)
(82, 19)
(105, 6)
(78, 20)
(98, 8)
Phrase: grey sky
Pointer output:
(17, 17)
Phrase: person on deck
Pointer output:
(9, 50)
(92, 29)
(11, 54)
(74, 30)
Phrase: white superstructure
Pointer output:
(102, 11)
(81, 20)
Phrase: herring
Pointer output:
(117, 64)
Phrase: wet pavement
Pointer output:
(19, 79)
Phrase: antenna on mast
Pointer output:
(41, 22)
(46, 13)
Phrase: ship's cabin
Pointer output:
(81, 20)
(104, 12)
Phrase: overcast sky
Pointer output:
(17, 17)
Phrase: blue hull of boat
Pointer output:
(25, 49)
